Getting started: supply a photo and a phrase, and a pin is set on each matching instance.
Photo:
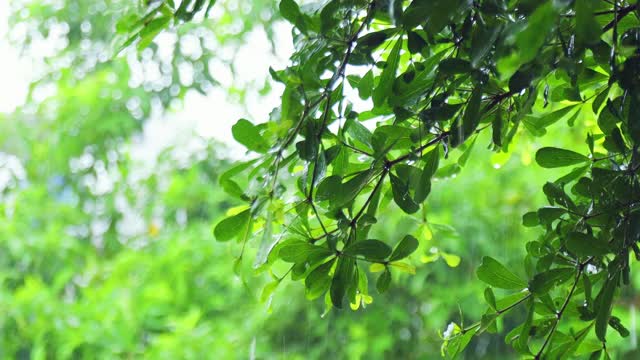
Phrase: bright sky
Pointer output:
(209, 116)
(13, 74)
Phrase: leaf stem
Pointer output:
(561, 311)
(498, 313)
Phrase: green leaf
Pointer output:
(530, 219)
(349, 190)
(533, 36)
(543, 282)
(230, 186)
(327, 16)
(633, 119)
(408, 93)
(575, 344)
(290, 11)
(248, 135)
(451, 259)
(383, 282)
(521, 344)
(548, 214)
(599, 100)
(342, 280)
(388, 137)
(153, 28)
(209, 7)
(586, 245)
(405, 247)
(383, 89)
(127, 23)
(432, 159)
(497, 275)
(365, 86)
(318, 281)
(435, 14)
(462, 160)
(447, 171)
(616, 324)
(328, 188)
(401, 195)
(470, 119)
(587, 29)
(521, 80)
(415, 42)
(232, 226)
(551, 157)
(298, 251)
(268, 290)
(555, 193)
(511, 300)
(456, 346)
(370, 249)
(267, 242)
(604, 302)
(372, 40)
(490, 298)
(359, 132)
(403, 267)
(536, 124)
(608, 118)
(573, 175)
(487, 321)
(482, 41)
(440, 112)
(453, 66)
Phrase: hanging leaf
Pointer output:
(548, 214)
(248, 135)
(470, 119)
(382, 285)
(585, 245)
(290, 11)
(268, 290)
(530, 219)
(298, 251)
(616, 324)
(435, 14)
(551, 157)
(497, 275)
(370, 249)
(587, 27)
(453, 66)
(342, 280)
(405, 247)
(604, 302)
(415, 42)
(543, 282)
(318, 281)
(490, 298)
(388, 75)
(232, 226)
(431, 159)
(401, 195)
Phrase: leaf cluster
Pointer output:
(434, 74)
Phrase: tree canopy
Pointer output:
(389, 110)
(433, 76)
